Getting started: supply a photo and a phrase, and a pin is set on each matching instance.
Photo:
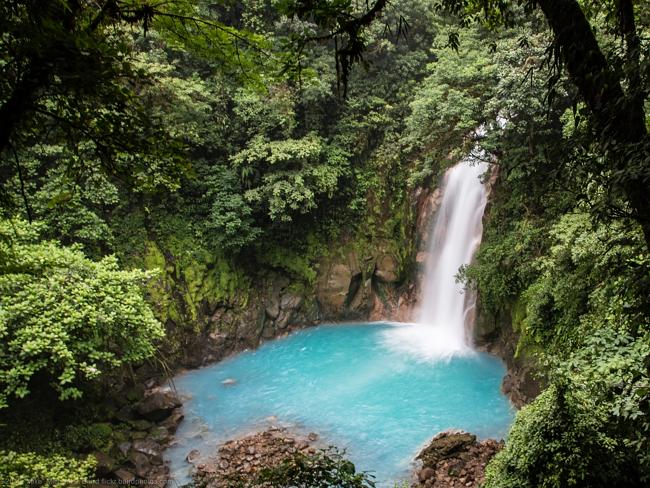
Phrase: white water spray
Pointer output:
(456, 234)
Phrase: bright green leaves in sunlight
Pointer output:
(230, 220)
(288, 177)
(18, 470)
(64, 319)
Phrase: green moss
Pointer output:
(518, 315)
(85, 438)
(214, 280)
(300, 266)
(191, 276)
(159, 290)
(153, 256)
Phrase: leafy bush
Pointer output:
(64, 318)
(557, 441)
(18, 470)
(324, 469)
(230, 222)
(285, 178)
(84, 438)
(586, 311)
(327, 468)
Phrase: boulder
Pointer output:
(124, 448)
(444, 446)
(273, 309)
(158, 476)
(105, 463)
(124, 414)
(333, 287)
(160, 434)
(158, 405)
(363, 299)
(426, 474)
(140, 424)
(338, 283)
(172, 422)
(386, 269)
(454, 459)
(290, 301)
(283, 319)
(193, 456)
(124, 476)
(149, 448)
(141, 464)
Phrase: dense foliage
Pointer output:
(18, 470)
(66, 320)
(211, 142)
(565, 261)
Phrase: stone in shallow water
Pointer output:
(193, 456)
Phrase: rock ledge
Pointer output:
(455, 459)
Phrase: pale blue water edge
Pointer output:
(348, 384)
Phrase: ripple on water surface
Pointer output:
(349, 384)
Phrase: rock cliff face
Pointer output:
(352, 286)
(355, 281)
(498, 336)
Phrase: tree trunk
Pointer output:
(14, 110)
(618, 119)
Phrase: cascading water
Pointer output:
(456, 236)
(445, 309)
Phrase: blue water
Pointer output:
(348, 384)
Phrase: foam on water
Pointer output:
(348, 384)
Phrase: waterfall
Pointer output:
(455, 237)
(446, 310)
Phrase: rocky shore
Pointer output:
(455, 460)
(141, 433)
(243, 458)
(452, 459)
